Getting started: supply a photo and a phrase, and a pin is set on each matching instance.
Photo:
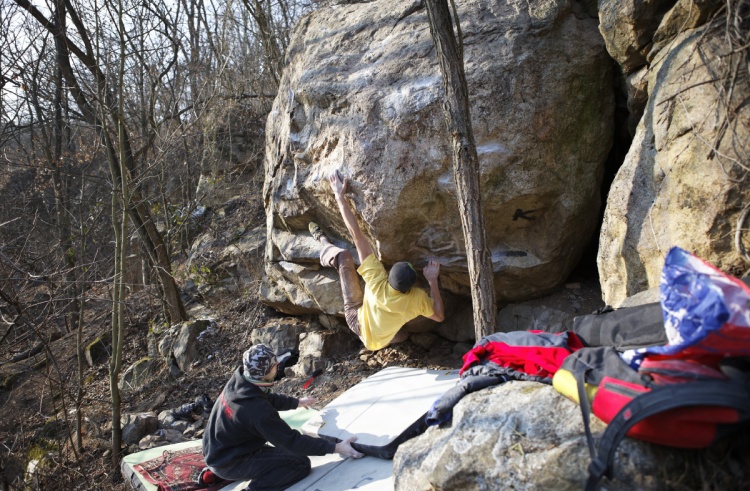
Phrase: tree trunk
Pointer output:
(465, 165)
(55, 146)
(61, 175)
(118, 328)
(120, 200)
(274, 57)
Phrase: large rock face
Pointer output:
(683, 182)
(362, 92)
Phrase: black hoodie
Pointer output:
(244, 418)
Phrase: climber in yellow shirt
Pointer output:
(389, 300)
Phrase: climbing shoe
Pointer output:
(315, 230)
(186, 411)
(203, 404)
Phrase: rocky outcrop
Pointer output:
(232, 136)
(362, 92)
(98, 349)
(138, 374)
(526, 436)
(217, 269)
(136, 426)
(179, 345)
(279, 335)
(628, 28)
(683, 182)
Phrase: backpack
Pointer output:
(624, 328)
(687, 393)
(286, 358)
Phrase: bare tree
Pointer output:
(260, 11)
(55, 145)
(102, 110)
(465, 163)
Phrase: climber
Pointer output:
(245, 418)
(389, 301)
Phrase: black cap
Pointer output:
(402, 276)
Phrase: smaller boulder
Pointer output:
(185, 347)
(279, 334)
(526, 436)
(137, 374)
(425, 339)
(99, 349)
(136, 426)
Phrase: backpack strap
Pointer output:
(664, 398)
(583, 401)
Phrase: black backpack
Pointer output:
(286, 358)
(626, 328)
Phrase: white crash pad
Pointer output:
(380, 408)
(332, 473)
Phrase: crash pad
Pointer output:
(384, 410)
(332, 473)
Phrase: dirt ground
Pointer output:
(33, 411)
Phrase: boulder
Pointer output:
(636, 88)
(362, 93)
(218, 269)
(232, 134)
(279, 334)
(684, 15)
(185, 347)
(318, 345)
(554, 313)
(137, 374)
(166, 342)
(461, 349)
(683, 182)
(425, 339)
(162, 437)
(642, 298)
(166, 419)
(628, 28)
(99, 349)
(136, 426)
(296, 289)
(526, 436)
(40, 470)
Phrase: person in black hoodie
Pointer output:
(245, 419)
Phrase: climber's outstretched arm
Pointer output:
(339, 187)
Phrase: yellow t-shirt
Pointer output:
(384, 309)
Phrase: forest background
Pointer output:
(116, 117)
